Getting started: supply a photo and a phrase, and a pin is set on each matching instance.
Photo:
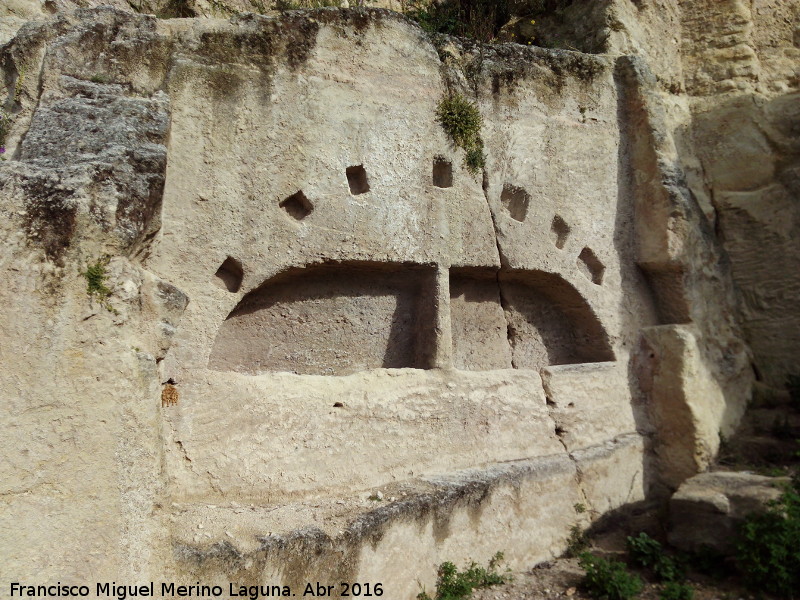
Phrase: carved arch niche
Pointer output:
(522, 319)
(331, 319)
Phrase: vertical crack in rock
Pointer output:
(559, 435)
(36, 101)
(511, 332)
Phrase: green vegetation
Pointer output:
(177, 9)
(577, 542)
(454, 585)
(674, 590)
(477, 19)
(96, 277)
(768, 546)
(608, 579)
(579, 507)
(648, 553)
(462, 122)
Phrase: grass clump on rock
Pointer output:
(454, 585)
(96, 277)
(462, 122)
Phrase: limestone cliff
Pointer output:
(259, 219)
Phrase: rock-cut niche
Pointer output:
(229, 275)
(331, 319)
(521, 319)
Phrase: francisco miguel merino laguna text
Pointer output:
(121, 592)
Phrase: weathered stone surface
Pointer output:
(686, 405)
(750, 151)
(589, 402)
(706, 509)
(296, 248)
(461, 516)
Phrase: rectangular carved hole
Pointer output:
(590, 266)
(442, 172)
(357, 180)
(560, 231)
(297, 205)
(229, 275)
(515, 200)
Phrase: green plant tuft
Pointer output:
(454, 585)
(477, 19)
(177, 9)
(608, 579)
(768, 546)
(475, 160)
(461, 121)
(96, 277)
(647, 552)
(577, 542)
(674, 590)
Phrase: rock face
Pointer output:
(706, 509)
(263, 217)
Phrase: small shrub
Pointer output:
(647, 552)
(577, 542)
(644, 550)
(460, 119)
(579, 507)
(454, 585)
(676, 591)
(768, 546)
(475, 159)
(177, 9)
(477, 19)
(608, 579)
(462, 122)
(433, 18)
(669, 569)
(96, 277)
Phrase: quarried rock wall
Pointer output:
(263, 217)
